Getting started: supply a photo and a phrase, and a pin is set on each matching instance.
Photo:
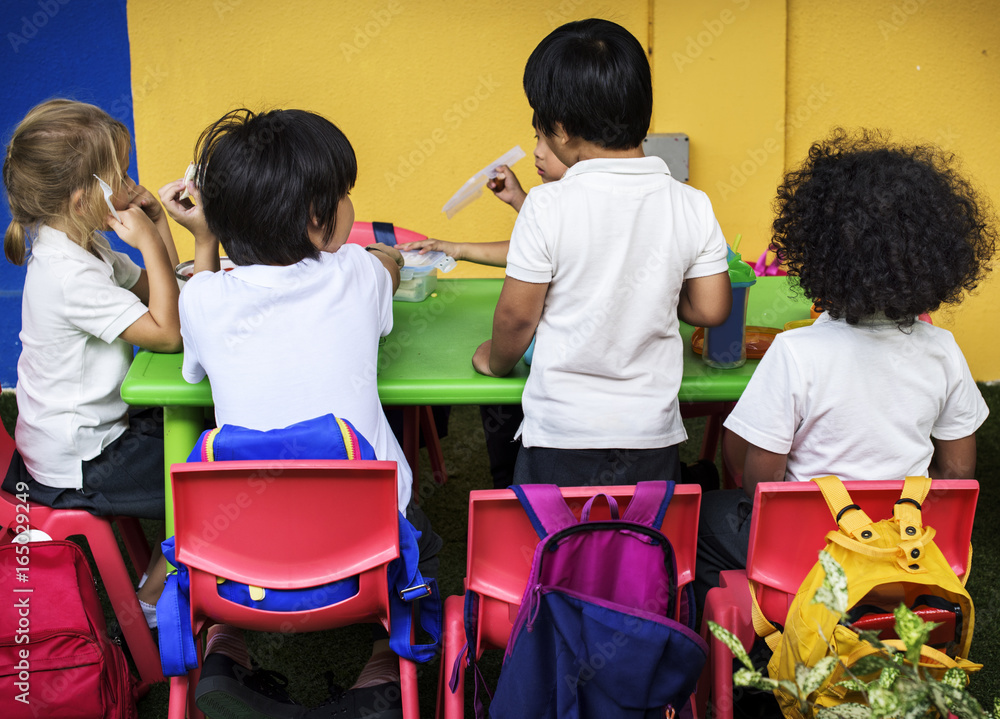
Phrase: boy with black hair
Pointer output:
(601, 267)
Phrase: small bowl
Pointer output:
(185, 269)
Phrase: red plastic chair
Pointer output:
(502, 543)
(65, 523)
(286, 525)
(778, 562)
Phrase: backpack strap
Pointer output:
(907, 509)
(545, 507)
(649, 503)
(762, 627)
(849, 516)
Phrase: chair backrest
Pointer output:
(791, 519)
(502, 543)
(285, 524)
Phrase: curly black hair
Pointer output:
(869, 226)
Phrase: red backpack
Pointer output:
(55, 656)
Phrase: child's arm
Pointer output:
(762, 466)
(191, 216)
(390, 259)
(485, 253)
(953, 458)
(160, 328)
(512, 193)
(145, 200)
(514, 321)
(705, 301)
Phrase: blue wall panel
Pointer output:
(56, 48)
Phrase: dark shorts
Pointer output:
(125, 479)
(584, 467)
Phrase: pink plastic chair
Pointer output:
(286, 525)
(65, 523)
(501, 545)
(778, 562)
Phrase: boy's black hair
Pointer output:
(263, 176)
(592, 77)
(872, 227)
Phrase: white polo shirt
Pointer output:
(285, 344)
(859, 401)
(72, 362)
(614, 239)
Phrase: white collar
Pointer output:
(621, 165)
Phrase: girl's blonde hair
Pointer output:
(56, 150)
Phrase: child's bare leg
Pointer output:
(156, 576)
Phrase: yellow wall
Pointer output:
(428, 92)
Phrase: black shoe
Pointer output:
(227, 690)
(382, 701)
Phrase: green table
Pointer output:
(427, 360)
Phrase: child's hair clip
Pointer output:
(108, 193)
(189, 175)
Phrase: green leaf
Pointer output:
(732, 643)
(884, 703)
(912, 630)
(748, 678)
(833, 592)
(887, 678)
(956, 678)
(853, 685)
(872, 664)
(996, 708)
(849, 710)
(809, 680)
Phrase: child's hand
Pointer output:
(135, 226)
(186, 213)
(481, 359)
(452, 249)
(512, 192)
(144, 199)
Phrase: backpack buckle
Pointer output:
(417, 591)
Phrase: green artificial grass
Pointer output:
(305, 657)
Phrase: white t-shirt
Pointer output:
(614, 239)
(859, 402)
(285, 344)
(72, 362)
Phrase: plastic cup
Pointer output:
(725, 345)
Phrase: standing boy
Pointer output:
(601, 266)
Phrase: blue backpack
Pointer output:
(326, 437)
(595, 635)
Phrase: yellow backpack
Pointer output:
(886, 563)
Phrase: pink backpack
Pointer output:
(55, 656)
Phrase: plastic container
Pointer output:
(725, 345)
(418, 277)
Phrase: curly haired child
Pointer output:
(876, 233)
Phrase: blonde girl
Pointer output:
(84, 306)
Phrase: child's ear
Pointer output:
(559, 135)
(76, 202)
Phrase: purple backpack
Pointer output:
(595, 635)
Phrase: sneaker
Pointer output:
(227, 690)
(382, 701)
